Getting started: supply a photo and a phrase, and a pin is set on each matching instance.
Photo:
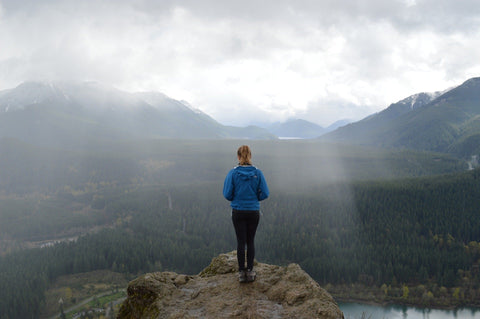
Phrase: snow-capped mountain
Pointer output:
(26, 94)
(419, 99)
(445, 121)
(68, 112)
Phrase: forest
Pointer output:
(394, 219)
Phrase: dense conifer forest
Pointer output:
(417, 226)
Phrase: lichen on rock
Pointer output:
(278, 292)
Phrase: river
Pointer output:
(355, 311)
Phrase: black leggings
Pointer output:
(245, 223)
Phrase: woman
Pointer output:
(245, 187)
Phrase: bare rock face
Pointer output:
(278, 292)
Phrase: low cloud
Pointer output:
(240, 61)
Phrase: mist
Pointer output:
(119, 121)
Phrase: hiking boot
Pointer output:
(251, 275)
(242, 276)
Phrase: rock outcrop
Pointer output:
(278, 292)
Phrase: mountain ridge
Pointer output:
(67, 113)
(441, 122)
(72, 113)
(96, 97)
(296, 128)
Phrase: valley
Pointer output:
(158, 206)
(95, 206)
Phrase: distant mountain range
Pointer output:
(82, 113)
(67, 112)
(446, 122)
(299, 128)
(72, 113)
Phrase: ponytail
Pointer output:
(244, 155)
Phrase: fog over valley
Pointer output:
(119, 121)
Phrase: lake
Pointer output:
(355, 311)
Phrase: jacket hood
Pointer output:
(246, 172)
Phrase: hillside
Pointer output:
(445, 122)
(368, 129)
(66, 114)
(422, 233)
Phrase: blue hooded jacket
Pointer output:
(245, 187)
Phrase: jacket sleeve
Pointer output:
(263, 191)
(228, 187)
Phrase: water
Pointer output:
(355, 311)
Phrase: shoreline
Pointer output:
(400, 304)
(358, 309)
(373, 296)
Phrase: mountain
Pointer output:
(337, 124)
(367, 130)
(71, 113)
(296, 129)
(442, 122)
(278, 292)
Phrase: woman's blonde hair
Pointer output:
(244, 155)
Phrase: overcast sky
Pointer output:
(245, 62)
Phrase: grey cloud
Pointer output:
(150, 44)
(442, 16)
(439, 15)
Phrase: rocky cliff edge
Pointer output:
(278, 292)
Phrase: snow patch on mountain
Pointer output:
(25, 94)
(421, 99)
